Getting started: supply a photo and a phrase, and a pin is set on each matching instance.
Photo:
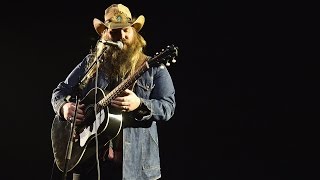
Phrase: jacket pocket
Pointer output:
(143, 89)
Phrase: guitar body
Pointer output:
(105, 125)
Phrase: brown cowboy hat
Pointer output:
(117, 16)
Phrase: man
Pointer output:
(135, 102)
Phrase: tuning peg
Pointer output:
(167, 64)
(174, 60)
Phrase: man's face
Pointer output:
(125, 35)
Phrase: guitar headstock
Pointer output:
(166, 56)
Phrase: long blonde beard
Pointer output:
(120, 64)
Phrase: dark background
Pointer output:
(246, 85)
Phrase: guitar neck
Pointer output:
(123, 85)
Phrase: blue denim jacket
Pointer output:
(140, 138)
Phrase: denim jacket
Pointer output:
(140, 137)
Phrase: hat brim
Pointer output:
(99, 26)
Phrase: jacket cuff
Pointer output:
(60, 109)
(143, 111)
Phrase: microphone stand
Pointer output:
(76, 91)
(70, 141)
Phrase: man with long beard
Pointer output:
(130, 102)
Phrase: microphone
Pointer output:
(101, 46)
(118, 44)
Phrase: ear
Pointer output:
(101, 29)
(104, 34)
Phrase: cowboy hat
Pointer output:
(117, 16)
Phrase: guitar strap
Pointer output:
(115, 149)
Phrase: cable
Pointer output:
(95, 111)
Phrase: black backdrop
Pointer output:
(247, 98)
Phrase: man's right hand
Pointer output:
(69, 110)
